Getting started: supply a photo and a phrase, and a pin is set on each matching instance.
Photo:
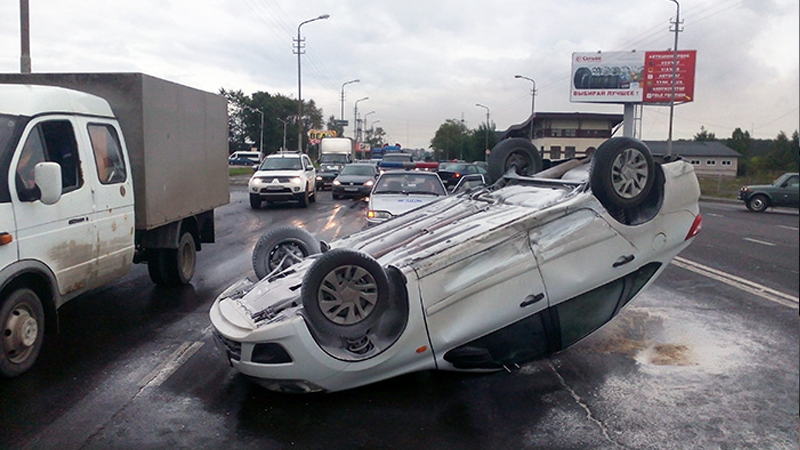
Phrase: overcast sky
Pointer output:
(423, 62)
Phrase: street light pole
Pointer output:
(25, 37)
(261, 139)
(299, 51)
(674, 73)
(487, 123)
(284, 134)
(355, 117)
(533, 98)
(341, 115)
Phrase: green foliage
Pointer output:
(453, 140)
(704, 135)
(244, 120)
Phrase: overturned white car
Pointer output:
(486, 279)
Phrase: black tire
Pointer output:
(344, 293)
(304, 199)
(155, 266)
(757, 203)
(336, 196)
(277, 243)
(622, 173)
(314, 195)
(22, 319)
(179, 264)
(518, 154)
(255, 201)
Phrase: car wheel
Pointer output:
(304, 198)
(622, 173)
(757, 203)
(344, 293)
(281, 247)
(314, 195)
(517, 154)
(255, 201)
(22, 318)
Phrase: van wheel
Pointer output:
(180, 263)
(22, 319)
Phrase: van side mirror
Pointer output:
(47, 176)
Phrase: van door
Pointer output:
(113, 198)
(63, 235)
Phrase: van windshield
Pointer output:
(333, 158)
(10, 130)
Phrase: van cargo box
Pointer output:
(177, 140)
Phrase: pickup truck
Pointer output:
(785, 191)
(97, 172)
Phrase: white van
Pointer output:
(244, 158)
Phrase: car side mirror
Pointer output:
(47, 176)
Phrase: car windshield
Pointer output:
(459, 167)
(333, 158)
(409, 183)
(281, 164)
(358, 169)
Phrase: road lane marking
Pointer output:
(756, 241)
(170, 365)
(740, 283)
(789, 228)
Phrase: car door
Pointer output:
(481, 310)
(63, 235)
(789, 192)
(581, 257)
(113, 197)
(309, 173)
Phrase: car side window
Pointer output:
(792, 181)
(52, 141)
(107, 154)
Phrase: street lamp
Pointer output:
(299, 50)
(674, 73)
(355, 117)
(365, 119)
(261, 139)
(533, 97)
(341, 115)
(284, 134)
(487, 123)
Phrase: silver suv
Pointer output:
(283, 176)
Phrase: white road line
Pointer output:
(789, 228)
(756, 241)
(740, 283)
(170, 365)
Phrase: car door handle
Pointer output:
(531, 299)
(78, 220)
(622, 260)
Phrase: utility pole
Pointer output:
(25, 37)
(677, 30)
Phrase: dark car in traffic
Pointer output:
(785, 191)
(355, 180)
(452, 173)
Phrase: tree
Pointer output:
(375, 137)
(450, 140)
(237, 129)
(704, 135)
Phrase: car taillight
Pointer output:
(697, 225)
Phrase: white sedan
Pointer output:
(396, 192)
(490, 278)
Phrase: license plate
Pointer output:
(351, 189)
(274, 188)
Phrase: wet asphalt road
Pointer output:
(698, 361)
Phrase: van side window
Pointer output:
(52, 141)
(107, 154)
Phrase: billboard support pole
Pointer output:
(674, 73)
(628, 119)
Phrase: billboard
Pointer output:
(631, 77)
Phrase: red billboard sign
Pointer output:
(658, 72)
